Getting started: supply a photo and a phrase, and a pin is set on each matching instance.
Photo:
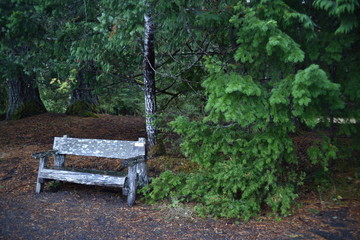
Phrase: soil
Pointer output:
(88, 212)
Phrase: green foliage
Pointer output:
(162, 186)
(312, 92)
(242, 170)
(54, 100)
(243, 147)
(54, 186)
(345, 10)
(126, 100)
(264, 34)
(322, 153)
(21, 38)
(246, 161)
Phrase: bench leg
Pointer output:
(40, 181)
(39, 185)
(141, 170)
(132, 186)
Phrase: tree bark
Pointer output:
(83, 101)
(83, 91)
(24, 97)
(149, 77)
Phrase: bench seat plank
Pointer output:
(99, 147)
(83, 177)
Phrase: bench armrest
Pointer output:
(133, 161)
(45, 154)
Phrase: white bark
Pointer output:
(149, 78)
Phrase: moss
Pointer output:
(28, 109)
(82, 109)
(54, 186)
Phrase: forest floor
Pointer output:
(88, 212)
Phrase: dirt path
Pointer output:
(87, 212)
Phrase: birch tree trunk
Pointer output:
(149, 77)
(24, 97)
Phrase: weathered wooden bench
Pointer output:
(133, 154)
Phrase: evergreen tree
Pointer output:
(20, 47)
(70, 24)
(278, 79)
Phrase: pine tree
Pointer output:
(277, 80)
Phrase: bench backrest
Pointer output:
(100, 147)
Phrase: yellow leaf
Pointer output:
(53, 80)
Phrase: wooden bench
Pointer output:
(133, 153)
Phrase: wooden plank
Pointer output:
(44, 154)
(94, 171)
(100, 147)
(83, 177)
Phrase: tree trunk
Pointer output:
(83, 102)
(149, 78)
(24, 97)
